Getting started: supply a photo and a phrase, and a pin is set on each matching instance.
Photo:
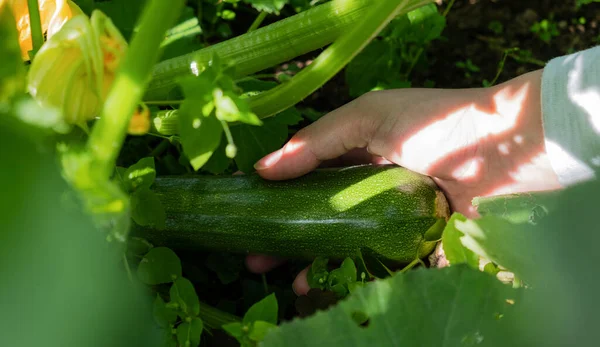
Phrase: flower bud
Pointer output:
(74, 69)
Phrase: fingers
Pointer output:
(300, 285)
(330, 137)
(259, 264)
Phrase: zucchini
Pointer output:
(386, 211)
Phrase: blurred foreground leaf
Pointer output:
(63, 284)
(443, 307)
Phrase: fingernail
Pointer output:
(269, 160)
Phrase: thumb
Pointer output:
(331, 136)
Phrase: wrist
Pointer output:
(520, 149)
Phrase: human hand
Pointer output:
(472, 142)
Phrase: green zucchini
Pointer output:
(386, 211)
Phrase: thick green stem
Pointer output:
(109, 132)
(264, 47)
(35, 25)
(215, 318)
(332, 60)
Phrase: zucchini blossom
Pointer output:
(74, 69)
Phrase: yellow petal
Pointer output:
(53, 15)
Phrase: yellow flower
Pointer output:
(74, 69)
(53, 14)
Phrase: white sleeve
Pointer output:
(571, 115)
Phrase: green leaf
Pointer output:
(269, 6)
(234, 329)
(147, 210)
(254, 142)
(140, 175)
(519, 208)
(434, 307)
(12, 69)
(455, 252)
(200, 136)
(188, 333)
(557, 258)
(419, 26)
(340, 278)
(160, 265)
(377, 62)
(63, 284)
(290, 116)
(504, 243)
(163, 315)
(137, 247)
(218, 162)
(317, 273)
(231, 108)
(259, 330)
(184, 294)
(264, 310)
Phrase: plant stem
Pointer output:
(264, 47)
(413, 63)
(258, 21)
(35, 25)
(215, 318)
(411, 265)
(109, 132)
(332, 60)
(162, 146)
(448, 8)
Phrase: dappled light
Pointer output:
(485, 139)
(361, 191)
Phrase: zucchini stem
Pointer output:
(109, 132)
(332, 60)
(214, 318)
(265, 47)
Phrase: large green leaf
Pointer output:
(62, 284)
(437, 307)
(557, 257)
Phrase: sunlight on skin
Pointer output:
(469, 169)
(414, 150)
